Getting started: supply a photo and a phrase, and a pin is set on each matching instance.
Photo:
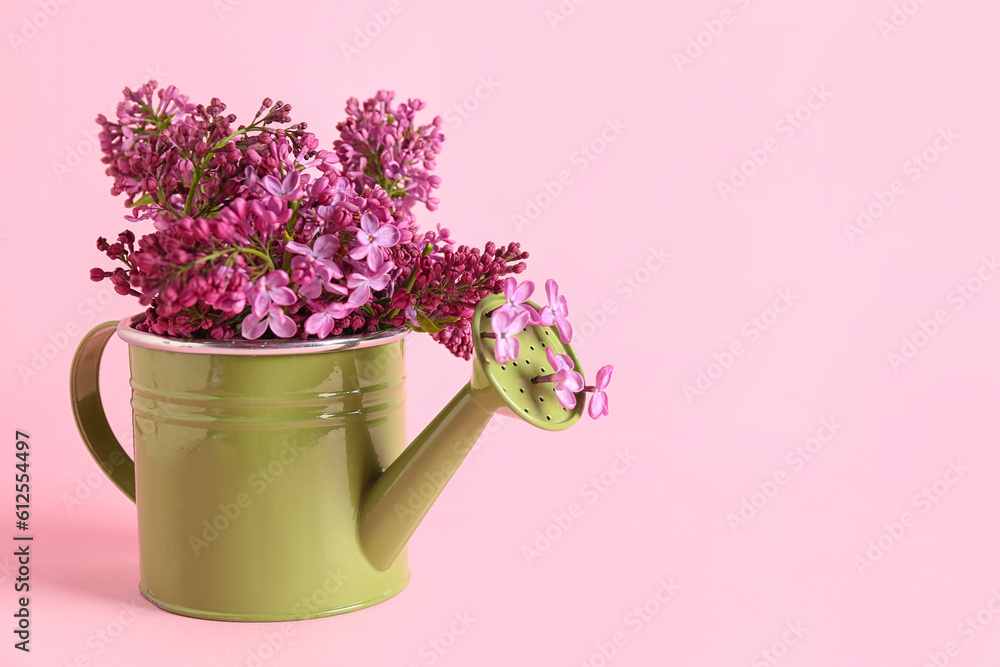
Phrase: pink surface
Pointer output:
(800, 467)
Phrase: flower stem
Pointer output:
(543, 378)
(252, 251)
(195, 178)
(428, 249)
(200, 168)
(290, 232)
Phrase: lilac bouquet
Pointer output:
(259, 233)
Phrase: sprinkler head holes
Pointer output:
(533, 402)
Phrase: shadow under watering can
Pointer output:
(272, 479)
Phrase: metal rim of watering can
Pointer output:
(128, 333)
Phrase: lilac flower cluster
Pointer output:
(259, 233)
(382, 145)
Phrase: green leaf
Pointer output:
(144, 200)
(427, 324)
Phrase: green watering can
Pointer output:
(272, 479)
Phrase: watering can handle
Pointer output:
(88, 410)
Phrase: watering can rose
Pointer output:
(508, 322)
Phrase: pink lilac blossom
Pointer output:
(315, 268)
(598, 406)
(556, 312)
(363, 284)
(324, 319)
(567, 382)
(271, 289)
(373, 241)
(506, 326)
(517, 296)
(275, 319)
(287, 189)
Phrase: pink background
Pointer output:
(792, 578)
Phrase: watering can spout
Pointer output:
(400, 497)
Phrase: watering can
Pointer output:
(272, 480)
